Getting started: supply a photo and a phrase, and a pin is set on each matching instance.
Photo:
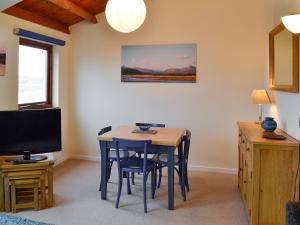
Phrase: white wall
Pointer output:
(286, 107)
(232, 39)
(9, 82)
(229, 35)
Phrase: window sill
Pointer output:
(35, 106)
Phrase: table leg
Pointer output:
(171, 178)
(104, 166)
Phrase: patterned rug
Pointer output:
(6, 219)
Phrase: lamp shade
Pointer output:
(260, 97)
(125, 15)
(292, 23)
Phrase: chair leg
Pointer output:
(139, 156)
(153, 185)
(180, 168)
(109, 170)
(187, 184)
(155, 176)
(119, 188)
(186, 178)
(128, 184)
(145, 191)
(179, 174)
(159, 176)
(182, 184)
(132, 178)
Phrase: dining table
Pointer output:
(164, 141)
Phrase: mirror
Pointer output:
(284, 60)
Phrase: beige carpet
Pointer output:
(214, 200)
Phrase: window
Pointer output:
(35, 74)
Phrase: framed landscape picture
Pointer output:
(2, 61)
(159, 63)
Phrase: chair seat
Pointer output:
(136, 163)
(123, 154)
(163, 158)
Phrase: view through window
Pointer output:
(34, 74)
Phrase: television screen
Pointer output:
(37, 131)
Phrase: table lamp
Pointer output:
(260, 97)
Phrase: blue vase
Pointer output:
(269, 124)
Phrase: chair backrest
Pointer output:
(150, 124)
(125, 144)
(104, 130)
(186, 145)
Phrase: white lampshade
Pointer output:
(260, 97)
(125, 15)
(292, 23)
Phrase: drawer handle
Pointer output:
(243, 141)
(248, 149)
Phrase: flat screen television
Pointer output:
(28, 132)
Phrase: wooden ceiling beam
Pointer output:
(35, 18)
(75, 9)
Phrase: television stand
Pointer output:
(22, 161)
(10, 171)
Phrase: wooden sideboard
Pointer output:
(268, 174)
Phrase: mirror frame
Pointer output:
(294, 88)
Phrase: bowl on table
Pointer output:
(144, 128)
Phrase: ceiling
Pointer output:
(57, 14)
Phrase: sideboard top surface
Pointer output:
(254, 132)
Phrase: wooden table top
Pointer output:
(254, 132)
(164, 136)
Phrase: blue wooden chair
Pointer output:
(180, 162)
(112, 154)
(161, 125)
(134, 165)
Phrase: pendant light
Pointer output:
(292, 23)
(125, 15)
